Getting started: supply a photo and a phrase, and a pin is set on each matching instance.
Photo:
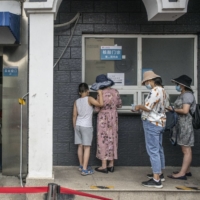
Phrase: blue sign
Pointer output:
(10, 71)
(111, 52)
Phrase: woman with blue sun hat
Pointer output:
(107, 124)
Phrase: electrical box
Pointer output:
(165, 10)
(10, 17)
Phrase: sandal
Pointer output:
(87, 172)
(81, 168)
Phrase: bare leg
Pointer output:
(80, 154)
(187, 159)
(86, 156)
(188, 170)
(111, 163)
(156, 176)
(104, 164)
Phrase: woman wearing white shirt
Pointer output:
(154, 119)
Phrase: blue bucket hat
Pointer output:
(102, 81)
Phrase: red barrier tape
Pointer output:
(70, 191)
(17, 190)
(21, 190)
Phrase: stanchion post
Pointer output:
(53, 191)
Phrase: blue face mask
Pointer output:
(148, 87)
(178, 88)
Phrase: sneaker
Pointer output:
(162, 178)
(152, 183)
(87, 172)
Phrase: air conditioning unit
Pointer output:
(165, 10)
(10, 16)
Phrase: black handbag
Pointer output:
(171, 121)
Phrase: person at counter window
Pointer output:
(184, 104)
(154, 119)
(107, 124)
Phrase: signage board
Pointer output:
(111, 53)
(117, 78)
(10, 71)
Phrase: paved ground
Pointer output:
(124, 178)
(10, 181)
(123, 182)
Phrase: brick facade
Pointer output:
(109, 17)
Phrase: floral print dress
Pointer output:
(183, 130)
(107, 125)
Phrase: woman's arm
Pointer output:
(152, 100)
(99, 102)
(183, 111)
(75, 114)
(119, 101)
(142, 107)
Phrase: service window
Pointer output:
(125, 58)
(94, 65)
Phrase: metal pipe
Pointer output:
(21, 146)
(53, 191)
(68, 41)
(67, 23)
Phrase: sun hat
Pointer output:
(102, 81)
(183, 80)
(149, 75)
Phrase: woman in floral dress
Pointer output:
(107, 129)
(107, 123)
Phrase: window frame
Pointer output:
(138, 89)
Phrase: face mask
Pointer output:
(148, 87)
(178, 88)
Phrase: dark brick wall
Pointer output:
(107, 17)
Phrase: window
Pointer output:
(167, 55)
(95, 66)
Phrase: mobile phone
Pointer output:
(133, 106)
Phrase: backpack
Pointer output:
(196, 117)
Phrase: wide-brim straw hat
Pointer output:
(183, 80)
(102, 81)
(149, 75)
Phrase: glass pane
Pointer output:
(168, 57)
(94, 66)
(127, 99)
(172, 98)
